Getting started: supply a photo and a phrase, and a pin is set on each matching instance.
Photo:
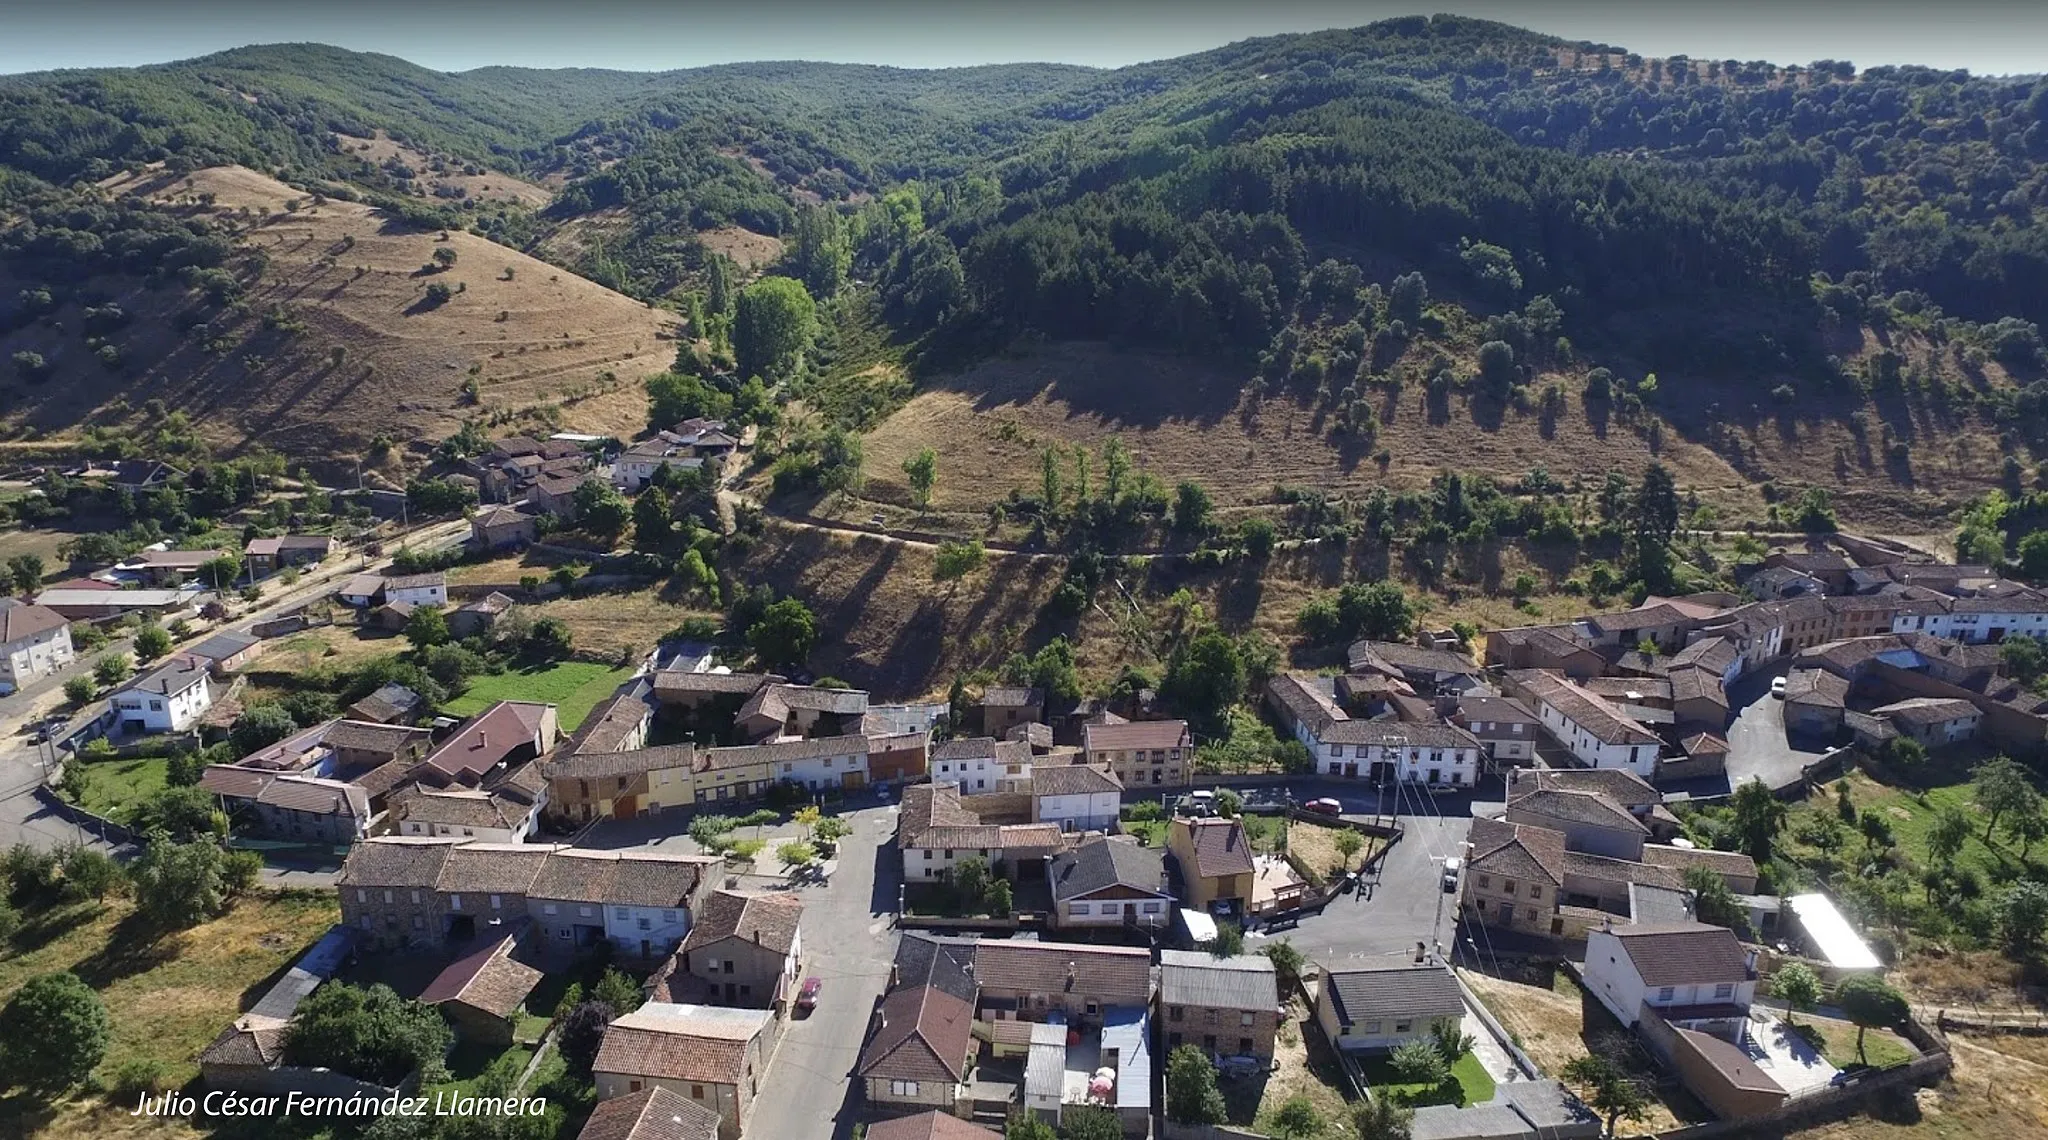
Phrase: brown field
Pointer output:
(614, 622)
(491, 185)
(567, 348)
(749, 249)
(1185, 420)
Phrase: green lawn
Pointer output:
(1469, 1084)
(573, 687)
(1152, 832)
(1836, 1041)
(1911, 814)
(114, 788)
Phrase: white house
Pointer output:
(169, 698)
(1689, 972)
(935, 831)
(35, 641)
(1075, 796)
(971, 764)
(1978, 619)
(822, 763)
(1587, 725)
(417, 589)
(637, 464)
(467, 813)
(1376, 750)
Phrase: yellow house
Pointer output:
(1215, 860)
(672, 786)
(724, 774)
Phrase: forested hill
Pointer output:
(1675, 209)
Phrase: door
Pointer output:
(1351, 771)
(1507, 914)
(625, 807)
(853, 779)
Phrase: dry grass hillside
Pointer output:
(1181, 419)
(436, 173)
(337, 342)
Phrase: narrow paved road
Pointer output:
(850, 946)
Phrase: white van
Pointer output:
(1201, 803)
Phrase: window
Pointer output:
(633, 1086)
(156, 706)
(362, 895)
(583, 911)
(1176, 1013)
(1244, 1019)
(949, 852)
(696, 1092)
(1535, 892)
(1370, 1027)
(903, 1088)
(668, 916)
(1337, 751)
(1507, 886)
(1666, 993)
(418, 923)
(454, 902)
(927, 853)
(547, 908)
(619, 912)
(1724, 991)
(1486, 882)
(497, 903)
(1403, 1026)
(1152, 908)
(1080, 908)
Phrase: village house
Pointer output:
(1153, 753)
(390, 703)
(1423, 751)
(169, 698)
(650, 1114)
(1815, 701)
(894, 757)
(778, 711)
(478, 615)
(228, 650)
(1427, 671)
(588, 785)
(503, 736)
(1109, 882)
(713, 1056)
(745, 950)
(496, 816)
(555, 494)
(1589, 821)
(1590, 727)
(1026, 981)
(1214, 859)
(361, 591)
(1684, 972)
(935, 830)
(637, 464)
(1504, 727)
(503, 526)
(35, 641)
(168, 568)
(979, 763)
(932, 1125)
(1378, 1008)
(1556, 649)
(919, 1051)
(1513, 876)
(1619, 785)
(417, 589)
(1226, 1006)
(1004, 707)
(266, 556)
(482, 992)
(642, 903)
(1933, 721)
(1074, 796)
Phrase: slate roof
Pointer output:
(1220, 848)
(651, 1114)
(370, 736)
(766, 920)
(178, 673)
(486, 978)
(1517, 850)
(219, 647)
(1071, 780)
(252, 1041)
(1925, 711)
(1305, 700)
(1393, 992)
(1621, 871)
(1683, 953)
(1101, 862)
(1591, 808)
(1717, 654)
(1731, 863)
(965, 748)
(1197, 977)
(613, 720)
(458, 808)
(598, 765)
(393, 863)
(317, 796)
(677, 681)
(1407, 658)
(1815, 687)
(1012, 697)
(416, 581)
(932, 816)
(1397, 734)
(927, 960)
(921, 1034)
(781, 751)
(1494, 710)
(491, 868)
(1113, 975)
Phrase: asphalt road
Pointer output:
(1757, 746)
(849, 939)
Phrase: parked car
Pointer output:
(807, 997)
(1324, 806)
(1237, 1068)
(1778, 687)
(1201, 803)
(1452, 866)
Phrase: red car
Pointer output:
(1324, 806)
(807, 997)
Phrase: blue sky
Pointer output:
(1983, 35)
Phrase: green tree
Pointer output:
(2023, 916)
(1116, 469)
(27, 572)
(53, 1032)
(1713, 902)
(796, 853)
(1191, 1093)
(2033, 556)
(581, 1034)
(1797, 986)
(260, 726)
(1049, 479)
(1382, 1119)
(673, 397)
(79, 690)
(1816, 512)
(179, 885)
(1205, 677)
(1297, 1119)
(785, 634)
(1497, 367)
(548, 639)
(1871, 1003)
(444, 257)
(372, 1034)
(151, 642)
(1759, 815)
(958, 559)
(1025, 1126)
(426, 628)
(617, 990)
(971, 878)
(773, 326)
(1229, 942)
(2024, 659)
(602, 510)
(923, 472)
(221, 572)
(1089, 1122)
(1419, 1063)
(2002, 785)
(1877, 832)
(1609, 1089)
(1946, 837)
(2027, 825)
(1191, 507)
(1287, 963)
(1348, 843)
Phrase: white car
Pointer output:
(1778, 687)
(1452, 866)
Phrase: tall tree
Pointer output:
(1946, 838)
(1609, 1089)
(53, 1032)
(1759, 815)
(2002, 785)
(1382, 1119)
(1191, 1093)
(773, 326)
(1871, 1003)
(1116, 467)
(1797, 986)
(821, 255)
(922, 470)
(1656, 505)
(785, 634)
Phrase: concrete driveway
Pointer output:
(1758, 748)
